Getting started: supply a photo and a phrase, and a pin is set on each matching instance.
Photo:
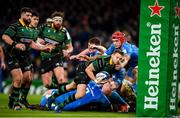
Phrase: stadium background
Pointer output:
(83, 19)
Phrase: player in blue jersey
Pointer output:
(95, 93)
(90, 53)
(131, 55)
(128, 84)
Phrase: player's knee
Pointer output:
(47, 83)
(80, 95)
(17, 81)
(60, 80)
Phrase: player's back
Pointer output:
(132, 51)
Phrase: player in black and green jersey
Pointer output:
(20, 38)
(86, 72)
(26, 84)
(58, 36)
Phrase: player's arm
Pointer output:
(68, 42)
(80, 56)
(110, 50)
(89, 71)
(95, 66)
(3, 66)
(41, 47)
(100, 48)
(7, 38)
(93, 58)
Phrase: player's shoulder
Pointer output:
(64, 30)
(15, 24)
(105, 57)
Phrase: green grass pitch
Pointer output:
(34, 99)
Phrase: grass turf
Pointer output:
(34, 99)
(5, 112)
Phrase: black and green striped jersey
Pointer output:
(60, 38)
(102, 64)
(21, 34)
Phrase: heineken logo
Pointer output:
(153, 55)
(175, 68)
(177, 8)
(156, 9)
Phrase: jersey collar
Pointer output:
(22, 23)
(111, 62)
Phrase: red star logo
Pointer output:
(176, 10)
(156, 9)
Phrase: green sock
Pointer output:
(70, 99)
(61, 90)
(15, 94)
(53, 86)
(24, 92)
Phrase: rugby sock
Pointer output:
(61, 90)
(53, 86)
(70, 99)
(24, 92)
(15, 94)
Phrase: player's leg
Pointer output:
(47, 79)
(81, 80)
(60, 76)
(63, 88)
(46, 72)
(59, 73)
(26, 83)
(81, 92)
(17, 77)
(128, 79)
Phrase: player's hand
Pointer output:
(41, 41)
(73, 57)
(66, 53)
(114, 85)
(49, 47)
(84, 57)
(3, 65)
(20, 46)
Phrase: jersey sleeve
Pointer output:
(110, 50)
(41, 28)
(98, 64)
(11, 30)
(127, 49)
(68, 38)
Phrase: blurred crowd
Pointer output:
(83, 19)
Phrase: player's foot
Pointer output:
(11, 102)
(17, 107)
(58, 109)
(50, 101)
(24, 102)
